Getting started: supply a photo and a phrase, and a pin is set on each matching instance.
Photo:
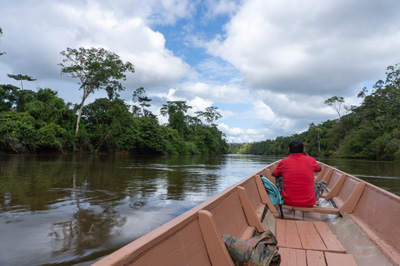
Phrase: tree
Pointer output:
(17, 132)
(8, 97)
(176, 115)
(210, 114)
(96, 69)
(1, 33)
(336, 103)
(108, 125)
(21, 78)
(139, 96)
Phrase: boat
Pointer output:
(355, 223)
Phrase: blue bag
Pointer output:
(272, 191)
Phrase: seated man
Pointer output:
(297, 182)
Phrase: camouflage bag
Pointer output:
(256, 251)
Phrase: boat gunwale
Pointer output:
(136, 249)
(132, 251)
(376, 237)
(376, 188)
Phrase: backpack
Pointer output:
(272, 191)
(259, 250)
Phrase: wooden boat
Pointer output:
(358, 226)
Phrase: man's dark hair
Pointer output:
(296, 146)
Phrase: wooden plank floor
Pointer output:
(302, 257)
(309, 235)
(310, 243)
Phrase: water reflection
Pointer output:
(74, 209)
(89, 227)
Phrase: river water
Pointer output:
(76, 209)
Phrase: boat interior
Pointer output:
(355, 223)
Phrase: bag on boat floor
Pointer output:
(256, 251)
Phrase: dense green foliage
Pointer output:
(42, 122)
(370, 131)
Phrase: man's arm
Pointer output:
(279, 174)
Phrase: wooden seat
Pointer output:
(346, 196)
(266, 200)
(312, 209)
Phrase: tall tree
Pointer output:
(336, 103)
(210, 114)
(1, 33)
(96, 69)
(21, 78)
(139, 96)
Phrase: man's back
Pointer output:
(297, 172)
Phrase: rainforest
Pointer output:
(368, 131)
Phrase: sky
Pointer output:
(267, 65)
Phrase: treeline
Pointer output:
(369, 131)
(32, 122)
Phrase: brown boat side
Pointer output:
(378, 214)
(181, 241)
(256, 201)
(194, 237)
(176, 242)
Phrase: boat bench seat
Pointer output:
(344, 191)
(266, 200)
(312, 209)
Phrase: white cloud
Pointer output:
(221, 7)
(293, 55)
(239, 135)
(36, 51)
(227, 93)
(310, 47)
(153, 12)
(198, 104)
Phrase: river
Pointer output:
(76, 209)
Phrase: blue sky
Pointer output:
(268, 65)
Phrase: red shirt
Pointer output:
(297, 173)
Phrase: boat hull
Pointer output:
(194, 238)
